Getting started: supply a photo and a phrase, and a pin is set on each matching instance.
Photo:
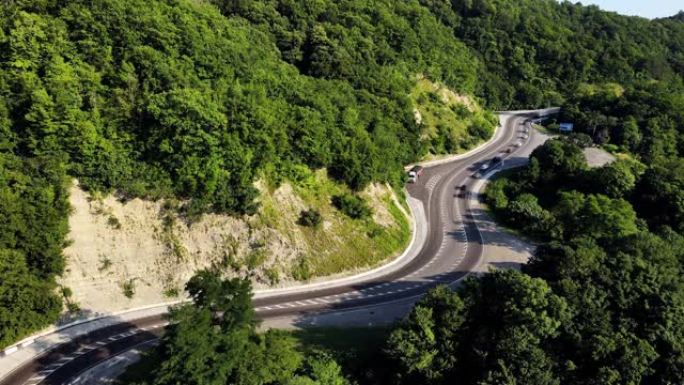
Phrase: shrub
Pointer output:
(171, 292)
(301, 271)
(66, 292)
(105, 263)
(495, 195)
(310, 218)
(272, 275)
(114, 222)
(128, 288)
(73, 307)
(256, 258)
(352, 205)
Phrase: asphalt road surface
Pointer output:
(453, 248)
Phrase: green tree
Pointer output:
(214, 340)
(615, 180)
(595, 215)
(492, 329)
(560, 162)
(27, 303)
(425, 344)
(658, 196)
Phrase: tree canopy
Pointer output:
(214, 340)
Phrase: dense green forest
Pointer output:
(198, 99)
(538, 52)
(614, 264)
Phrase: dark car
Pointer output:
(462, 191)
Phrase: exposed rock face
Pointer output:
(144, 246)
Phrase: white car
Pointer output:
(518, 144)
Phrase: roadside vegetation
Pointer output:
(214, 340)
(449, 122)
(337, 229)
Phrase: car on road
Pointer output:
(462, 191)
(517, 144)
(482, 170)
(415, 173)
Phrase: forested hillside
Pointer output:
(172, 99)
(602, 300)
(537, 52)
(195, 100)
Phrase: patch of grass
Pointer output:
(171, 292)
(551, 130)
(256, 258)
(450, 123)
(273, 275)
(368, 245)
(301, 271)
(347, 244)
(339, 243)
(269, 216)
(356, 340)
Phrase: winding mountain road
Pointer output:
(452, 248)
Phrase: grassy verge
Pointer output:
(450, 123)
(545, 130)
(339, 243)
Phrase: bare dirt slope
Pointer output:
(137, 253)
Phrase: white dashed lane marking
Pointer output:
(432, 182)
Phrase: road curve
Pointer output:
(453, 248)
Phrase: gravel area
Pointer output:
(597, 157)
